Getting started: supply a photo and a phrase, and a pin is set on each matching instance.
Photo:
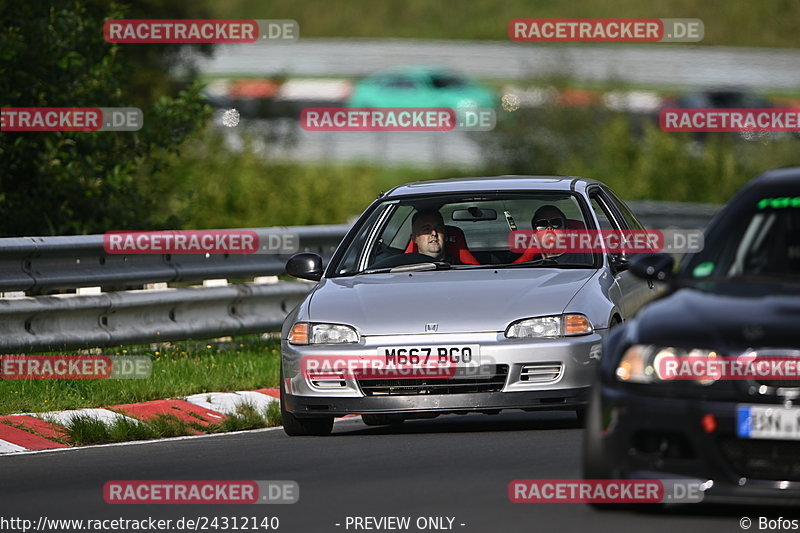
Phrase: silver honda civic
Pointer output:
(434, 303)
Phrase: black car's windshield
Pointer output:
(759, 242)
(463, 231)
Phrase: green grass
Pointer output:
(178, 370)
(211, 187)
(85, 430)
(771, 23)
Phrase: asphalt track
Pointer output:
(454, 466)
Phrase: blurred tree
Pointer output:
(72, 182)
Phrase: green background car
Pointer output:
(420, 87)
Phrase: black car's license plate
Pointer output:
(768, 422)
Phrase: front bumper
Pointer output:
(576, 357)
(420, 405)
(647, 437)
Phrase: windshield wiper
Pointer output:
(536, 262)
(414, 267)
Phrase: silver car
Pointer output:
(398, 329)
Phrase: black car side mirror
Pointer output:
(653, 267)
(619, 263)
(306, 265)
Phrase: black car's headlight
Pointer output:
(310, 333)
(648, 363)
(549, 327)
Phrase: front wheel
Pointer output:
(298, 427)
(580, 415)
(595, 463)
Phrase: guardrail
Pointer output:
(35, 264)
(68, 321)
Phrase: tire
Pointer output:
(595, 464)
(298, 427)
(580, 415)
(382, 420)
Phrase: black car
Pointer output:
(737, 298)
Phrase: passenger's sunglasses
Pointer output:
(543, 223)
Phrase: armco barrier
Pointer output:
(49, 263)
(34, 265)
(65, 322)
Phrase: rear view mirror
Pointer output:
(474, 214)
(653, 267)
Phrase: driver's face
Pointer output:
(547, 223)
(429, 235)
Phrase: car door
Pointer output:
(633, 292)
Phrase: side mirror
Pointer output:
(653, 267)
(306, 265)
(619, 263)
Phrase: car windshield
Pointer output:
(446, 81)
(474, 231)
(758, 243)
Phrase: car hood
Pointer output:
(728, 317)
(458, 301)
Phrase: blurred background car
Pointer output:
(420, 87)
(739, 297)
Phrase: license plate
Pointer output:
(768, 422)
(431, 356)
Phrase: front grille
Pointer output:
(779, 383)
(541, 372)
(776, 460)
(491, 379)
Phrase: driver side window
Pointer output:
(602, 213)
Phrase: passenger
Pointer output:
(549, 219)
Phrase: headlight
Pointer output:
(550, 326)
(305, 333)
(646, 363)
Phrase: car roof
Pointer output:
(777, 176)
(489, 184)
(417, 70)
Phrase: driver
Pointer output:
(428, 233)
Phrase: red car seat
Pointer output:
(455, 245)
